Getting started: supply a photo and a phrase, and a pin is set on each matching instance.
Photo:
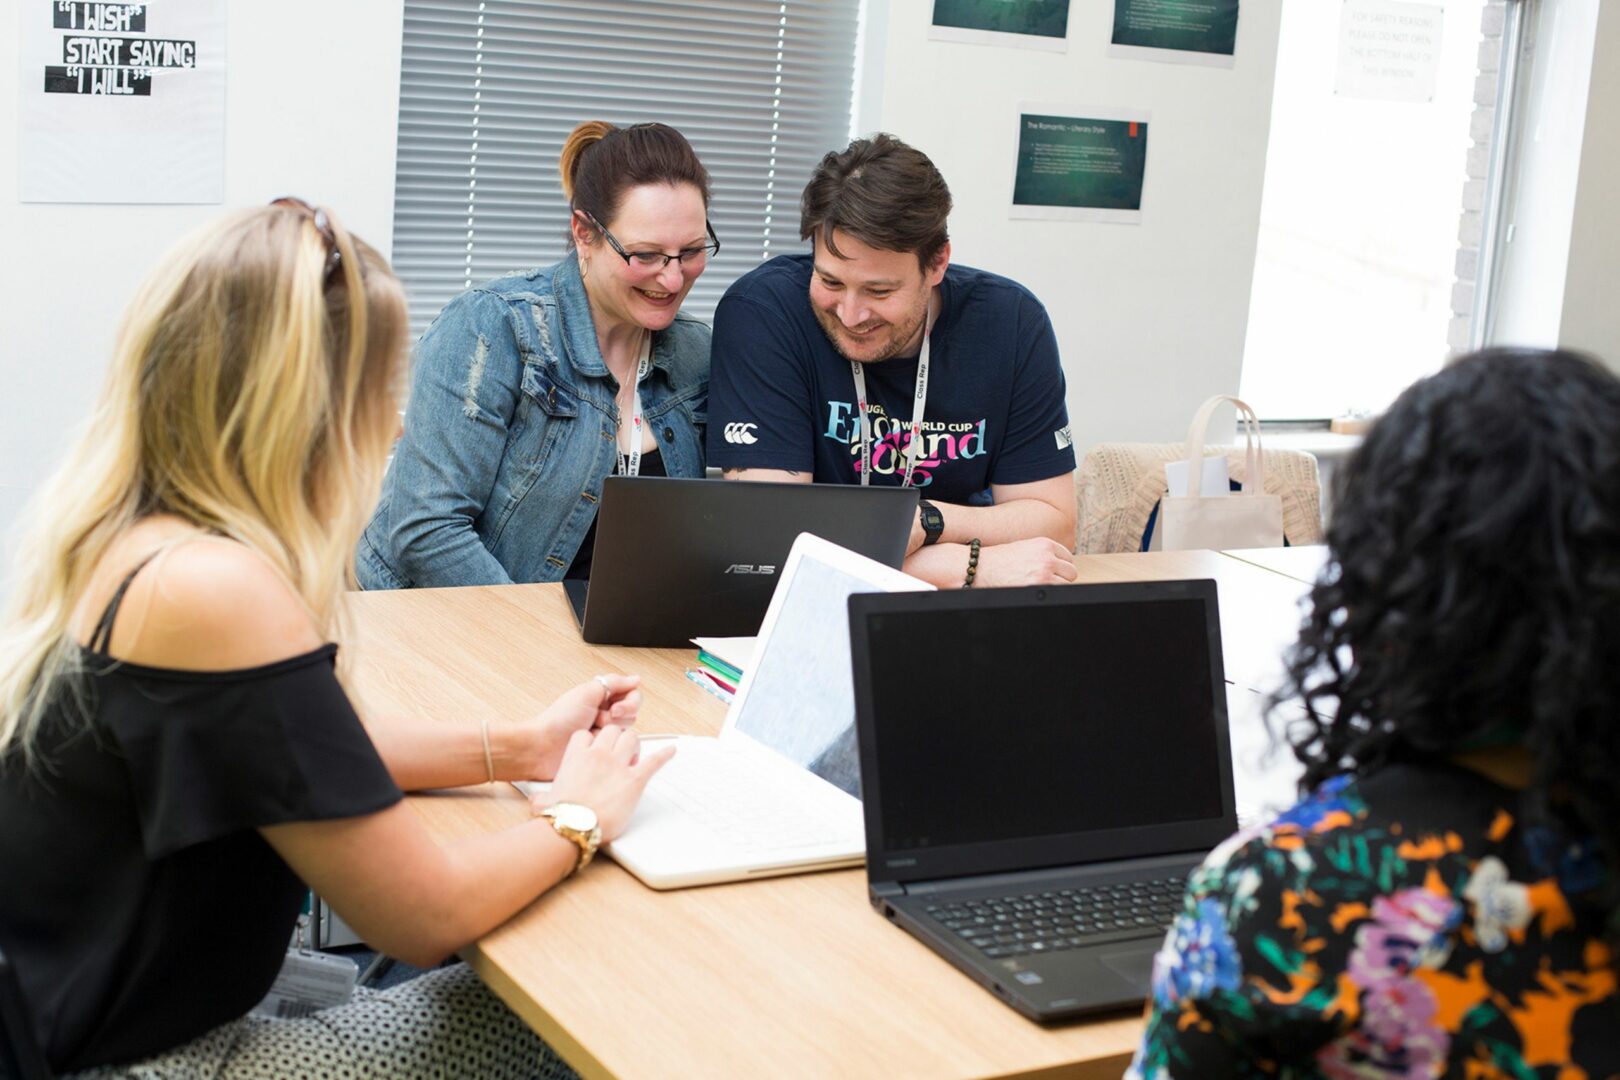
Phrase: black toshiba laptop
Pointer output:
(1042, 768)
(676, 558)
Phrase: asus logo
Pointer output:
(749, 568)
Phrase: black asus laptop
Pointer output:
(1042, 768)
(676, 559)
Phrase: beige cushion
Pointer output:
(1118, 485)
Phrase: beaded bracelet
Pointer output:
(973, 562)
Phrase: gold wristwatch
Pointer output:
(577, 824)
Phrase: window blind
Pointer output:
(490, 90)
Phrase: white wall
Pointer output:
(1590, 317)
(312, 103)
(1558, 274)
(1150, 318)
(1532, 276)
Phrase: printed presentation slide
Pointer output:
(1080, 165)
(1026, 24)
(1202, 32)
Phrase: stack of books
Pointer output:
(720, 664)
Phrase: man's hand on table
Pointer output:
(1036, 561)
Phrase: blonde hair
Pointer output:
(247, 395)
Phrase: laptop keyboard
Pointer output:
(754, 812)
(1050, 921)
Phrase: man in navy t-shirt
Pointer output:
(873, 359)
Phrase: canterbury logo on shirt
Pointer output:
(942, 441)
(741, 433)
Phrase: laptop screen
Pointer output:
(718, 550)
(797, 696)
(1063, 724)
(800, 703)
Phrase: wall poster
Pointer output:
(1389, 51)
(1080, 164)
(1025, 24)
(1202, 32)
(121, 103)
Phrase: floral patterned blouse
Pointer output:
(1398, 925)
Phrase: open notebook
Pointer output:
(778, 791)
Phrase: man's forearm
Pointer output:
(1019, 519)
(942, 565)
(1036, 560)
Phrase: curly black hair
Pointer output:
(1472, 597)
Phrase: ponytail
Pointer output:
(580, 139)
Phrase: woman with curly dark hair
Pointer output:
(1443, 900)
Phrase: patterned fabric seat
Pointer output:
(1118, 484)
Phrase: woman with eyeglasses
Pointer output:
(532, 389)
(180, 762)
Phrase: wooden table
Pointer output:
(789, 976)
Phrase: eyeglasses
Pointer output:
(657, 260)
(323, 225)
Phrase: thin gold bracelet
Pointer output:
(489, 758)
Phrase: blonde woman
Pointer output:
(178, 760)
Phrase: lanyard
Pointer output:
(630, 464)
(918, 406)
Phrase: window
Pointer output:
(1376, 200)
(1532, 243)
(489, 92)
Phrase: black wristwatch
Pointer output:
(933, 522)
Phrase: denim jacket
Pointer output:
(510, 431)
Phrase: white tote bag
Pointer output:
(1246, 519)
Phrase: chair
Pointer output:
(20, 1055)
(1118, 485)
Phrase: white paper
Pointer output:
(736, 651)
(121, 103)
(1215, 480)
(1171, 56)
(964, 35)
(1388, 50)
(307, 983)
(1265, 773)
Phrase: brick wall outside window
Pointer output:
(1470, 228)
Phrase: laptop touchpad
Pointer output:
(1134, 965)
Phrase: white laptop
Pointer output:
(778, 791)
